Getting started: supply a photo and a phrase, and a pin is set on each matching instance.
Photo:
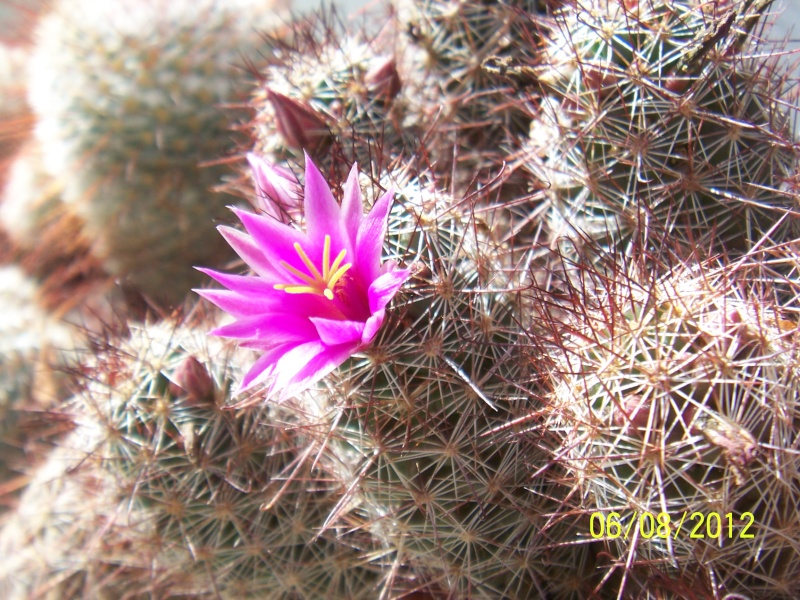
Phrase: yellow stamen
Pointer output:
(339, 259)
(337, 275)
(300, 274)
(326, 257)
(304, 257)
(321, 284)
(296, 289)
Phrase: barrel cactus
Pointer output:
(670, 124)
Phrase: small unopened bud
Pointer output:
(277, 189)
(383, 79)
(192, 381)
(633, 409)
(300, 126)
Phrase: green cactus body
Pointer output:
(128, 97)
(660, 144)
(680, 397)
(328, 87)
(226, 499)
(429, 477)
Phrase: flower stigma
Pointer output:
(318, 283)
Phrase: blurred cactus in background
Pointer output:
(130, 101)
(594, 215)
(15, 114)
(34, 352)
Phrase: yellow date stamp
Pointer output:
(694, 525)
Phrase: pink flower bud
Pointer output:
(300, 126)
(383, 79)
(277, 188)
(633, 411)
(193, 381)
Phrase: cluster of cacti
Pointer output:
(564, 364)
(662, 141)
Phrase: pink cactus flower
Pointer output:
(278, 191)
(317, 297)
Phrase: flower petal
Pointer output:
(276, 242)
(256, 296)
(372, 326)
(248, 250)
(369, 240)
(233, 303)
(274, 328)
(323, 216)
(383, 289)
(334, 331)
(277, 187)
(316, 364)
(352, 206)
(263, 368)
(239, 283)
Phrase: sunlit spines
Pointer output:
(653, 147)
(676, 395)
